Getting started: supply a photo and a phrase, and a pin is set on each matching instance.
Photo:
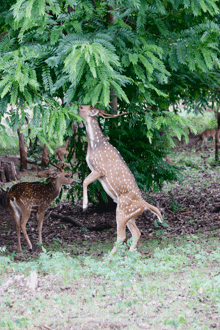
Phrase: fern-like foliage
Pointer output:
(55, 55)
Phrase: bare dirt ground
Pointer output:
(190, 207)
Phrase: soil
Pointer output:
(188, 208)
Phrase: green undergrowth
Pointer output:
(177, 276)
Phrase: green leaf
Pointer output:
(119, 91)
(133, 58)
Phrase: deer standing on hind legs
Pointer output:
(110, 169)
(25, 197)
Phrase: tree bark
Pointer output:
(23, 150)
(217, 138)
(44, 160)
(114, 100)
(7, 171)
(3, 197)
(29, 133)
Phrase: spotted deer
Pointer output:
(107, 166)
(205, 135)
(26, 197)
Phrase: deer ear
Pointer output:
(94, 112)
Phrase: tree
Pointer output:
(150, 56)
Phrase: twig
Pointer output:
(186, 212)
(67, 218)
(47, 327)
(174, 215)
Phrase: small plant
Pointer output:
(174, 322)
(177, 207)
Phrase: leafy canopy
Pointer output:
(57, 54)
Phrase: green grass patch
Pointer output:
(174, 283)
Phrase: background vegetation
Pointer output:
(147, 55)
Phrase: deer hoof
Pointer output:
(85, 206)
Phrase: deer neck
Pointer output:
(54, 189)
(94, 133)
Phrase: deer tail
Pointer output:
(16, 209)
(155, 211)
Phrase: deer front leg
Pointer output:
(40, 224)
(93, 176)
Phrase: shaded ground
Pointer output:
(189, 207)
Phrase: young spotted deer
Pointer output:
(110, 169)
(25, 197)
(205, 135)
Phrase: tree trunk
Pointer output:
(44, 160)
(29, 133)
(23, 150)
(217, 137)
(114, 100)
(3, 197)
(7, 171)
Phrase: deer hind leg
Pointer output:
(40, 217)
(135, 232)
(16, 214)
(121, 228)
(129, 220)
(18, 230)
(198, 141)
(204, 141)
(16, 217)
(25, 217)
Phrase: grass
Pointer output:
(174, 283)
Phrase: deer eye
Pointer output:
(81, 107)
(67, 176)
